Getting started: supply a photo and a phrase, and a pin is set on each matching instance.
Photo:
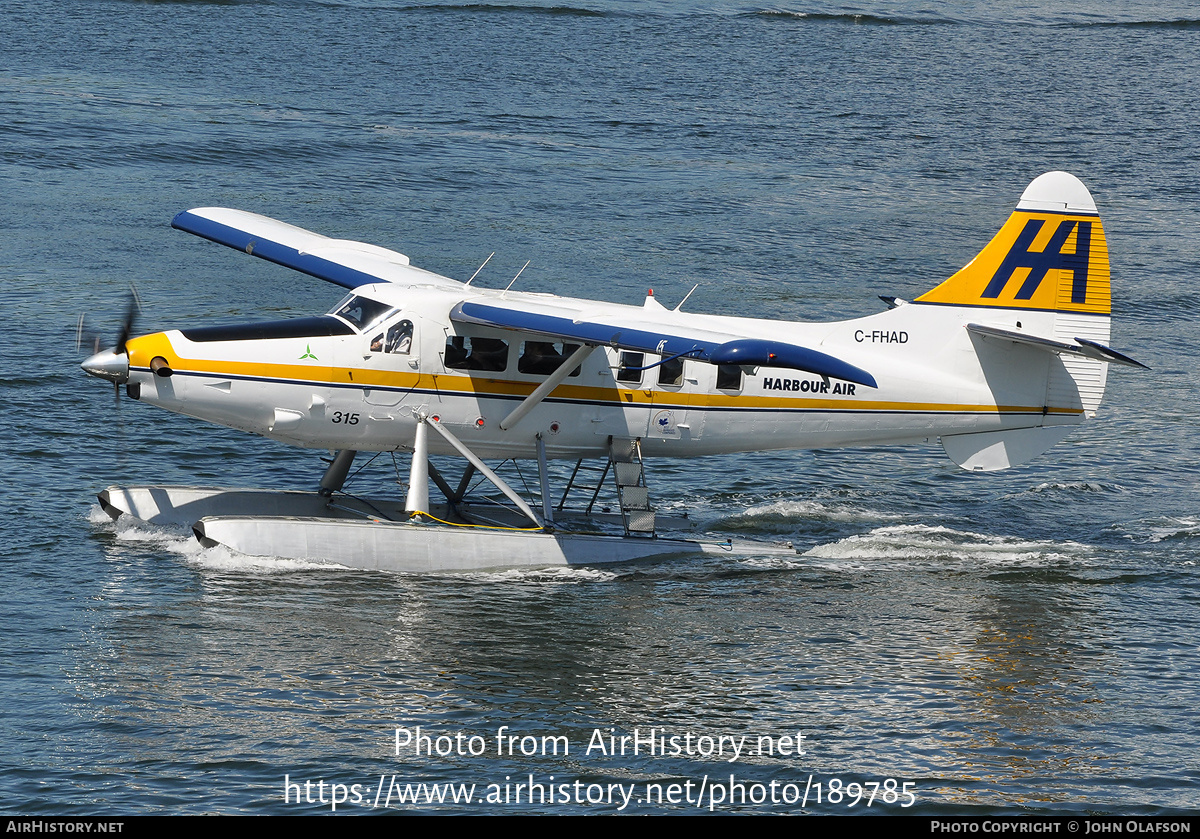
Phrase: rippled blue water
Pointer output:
(1020, 642)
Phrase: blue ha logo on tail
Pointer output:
(1051, 255)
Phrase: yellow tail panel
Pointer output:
(1050, 255)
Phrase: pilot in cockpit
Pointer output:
(399, 338)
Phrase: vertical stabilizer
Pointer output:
(1049, 266)
(1050, 255)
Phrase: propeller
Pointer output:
(110, 364)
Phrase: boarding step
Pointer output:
(625, 455)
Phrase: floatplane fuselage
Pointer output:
(999, 362)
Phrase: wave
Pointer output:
(919, 542)
(870, 19)
(608, 9)
(1180, 23)
(476, 8)
(788, 514)
(500, 8)
(1071, 487)
(1161, 529)
(854, 18)
(554, 575)
(202, 2)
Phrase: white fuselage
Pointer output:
(361, 391)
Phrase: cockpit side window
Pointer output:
(360, 312)
(399, 338)
(396, 340)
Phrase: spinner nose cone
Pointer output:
(108, 364)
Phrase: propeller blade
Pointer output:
(86, 337)
(131, 313)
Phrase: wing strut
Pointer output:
(543, 390)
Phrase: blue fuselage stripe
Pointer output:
(599, 403)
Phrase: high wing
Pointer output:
(340, 261)
(652, 331)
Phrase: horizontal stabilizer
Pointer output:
(663, 339)
(340, 261)
(1082, 346)
(1103, 353)
(991, 451)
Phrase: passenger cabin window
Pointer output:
(636, 360)
(670, 373)
(544, 357)
(470, 353)
(397, 339)
(729, 377)
(361, 312)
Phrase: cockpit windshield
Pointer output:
(360, 312)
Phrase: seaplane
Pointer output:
(998, 363)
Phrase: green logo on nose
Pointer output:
(308, 353)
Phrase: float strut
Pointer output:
(496, 480)
(441, 483)
(544, 478)
(335, 475)
(464, 484)
(418, 478)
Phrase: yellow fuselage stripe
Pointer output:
(143, 349)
